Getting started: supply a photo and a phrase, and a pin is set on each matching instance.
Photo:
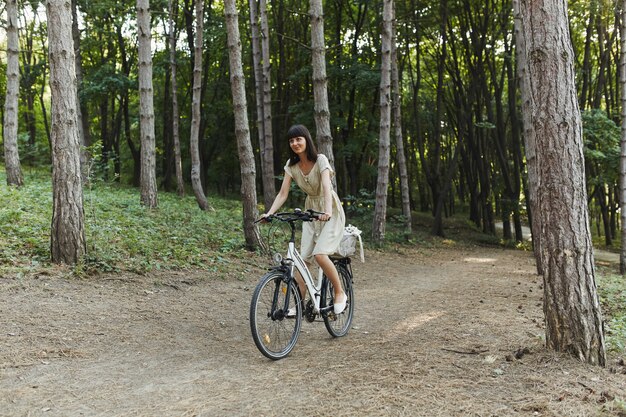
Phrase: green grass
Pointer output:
(612, 292)
(121, 234)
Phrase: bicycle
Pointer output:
(276, 310)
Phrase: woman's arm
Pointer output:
(282, 195)
(328, 195)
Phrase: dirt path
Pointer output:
(435, 334)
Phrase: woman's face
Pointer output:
(298, 144)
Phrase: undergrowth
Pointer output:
(612, 292)
(121, 234)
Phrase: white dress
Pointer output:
(318, 238)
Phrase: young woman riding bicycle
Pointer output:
(312, 172)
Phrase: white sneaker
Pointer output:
(340, 304)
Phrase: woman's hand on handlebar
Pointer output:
(323, 217)
(265, 218)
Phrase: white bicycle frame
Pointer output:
(298, 263)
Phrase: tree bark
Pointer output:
(83, 118)
(528, 135)
(396, 103)
(196, 181)
(67, 237)
(178, 166)
(267, 165)
(147, 179)
(571, 304)
(622, 164)
(11, 152)
(320, 83)
(269, 183)
(380, 211)
(242, 131)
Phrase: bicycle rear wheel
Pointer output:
(275, 332)
(338, 324)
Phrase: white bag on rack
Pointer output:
(347, 247)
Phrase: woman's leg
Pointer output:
(331, 272)
(301, 284)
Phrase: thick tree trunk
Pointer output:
(320, 83)
(147, 179)
(11, 153)
(242, 131)
(67, 237)
(178, 166)
(571, 304)
(380, 211)
(622, 164)
(196, 182)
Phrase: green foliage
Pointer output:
(612, 291)
(602, 146)
(361, 204)
(25, 222)
(121, 233)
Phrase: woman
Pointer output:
(312, 172)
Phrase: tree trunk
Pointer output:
(147, 179)
(320, 83)
(83, 118)
(267, 165)
(396, 102)
(242, 132)
(67, 237)
(528, 135)
(622, 164)
(196, 182)
(11, 153)
(380, 212)
(178, 166)
(571, 304)
(269, 183)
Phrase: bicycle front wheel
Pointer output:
(275, 315)
(338, 324)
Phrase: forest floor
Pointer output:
(453, 331)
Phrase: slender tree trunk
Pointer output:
(242, 131)
(380, 212)
(83, 119)
(320, 83)
(397, 125)
(44, 111)
(267, 170)
(146, 108)
(622, 165)
(269, 183)
(528, 135)
(67, 237)
(11, 153)
(178, 166)
(571, 304)
(196, 181)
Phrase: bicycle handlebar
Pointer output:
(293, 216)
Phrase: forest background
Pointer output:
(461, 127)
(459, 99)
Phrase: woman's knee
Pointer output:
(320, 257)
